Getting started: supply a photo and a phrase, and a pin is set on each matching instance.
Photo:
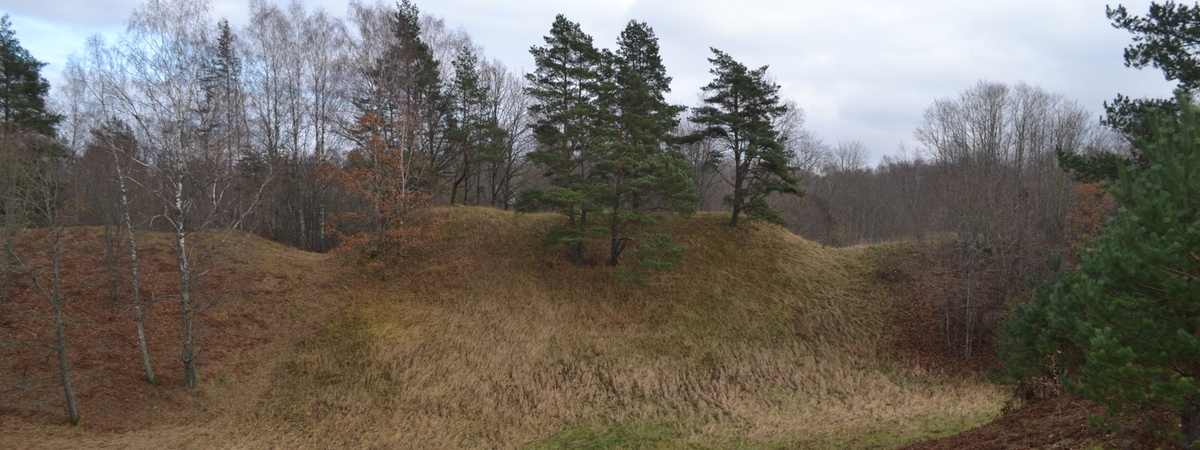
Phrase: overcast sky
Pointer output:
(862, 70)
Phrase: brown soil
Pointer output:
(1049, 424)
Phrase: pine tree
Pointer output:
(1123, 328)
(641, 179)
(405, 92)
(740, 105)
(604, 132)
(22, 89)
(570, 130)
(1166, 39)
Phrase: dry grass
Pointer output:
(486, 340)
(763, 340)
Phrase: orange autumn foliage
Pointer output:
(381, 228)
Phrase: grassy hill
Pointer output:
(486, 340)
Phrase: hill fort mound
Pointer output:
(484, 339)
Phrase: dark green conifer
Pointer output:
(739, 108)
(1123, 328)
(23, 91)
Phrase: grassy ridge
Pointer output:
(486, 340)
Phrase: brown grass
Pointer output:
(486, 340)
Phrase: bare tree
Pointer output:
(296, 78)
(505, 174)
(159, 80)
(34, 241)
(1005, 197)
(847, 156)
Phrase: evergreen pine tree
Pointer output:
(740, 105)
(571, 126)
(642, 180)
(1166, 39)
(604, 130)
(1123, 328)
(405, 92)
(22, 89)
(473, 129)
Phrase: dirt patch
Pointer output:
(1059, 423)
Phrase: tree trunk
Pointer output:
(577, 252)
(737, 200)
(134, 276)
(141, 333)
(187, 353)
(461, 178)
(64, 369)
(739, 178)
(614, 251)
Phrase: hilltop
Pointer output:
(484, 339)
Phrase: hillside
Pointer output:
(486, 340)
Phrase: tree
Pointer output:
(1123, 328)
(740, 107)
(24, 118)
(567, 87)
(404, 90)
(1166, 38)
(639, 179)
(380, 179)
(294, 78)
(505, 168)
(114, 140)
(704, 160)
(1006, 199)
(155, 81)
(472, 128)
(604, 130)
(22, 89)
(34, 242)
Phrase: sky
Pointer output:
(862, 70)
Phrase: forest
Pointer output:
(1063, 245)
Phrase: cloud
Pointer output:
(863, 70)
(77, 12)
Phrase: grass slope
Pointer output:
(486, 340)
(763, 340)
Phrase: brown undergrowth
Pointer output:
(267, 296)
(917, 277)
